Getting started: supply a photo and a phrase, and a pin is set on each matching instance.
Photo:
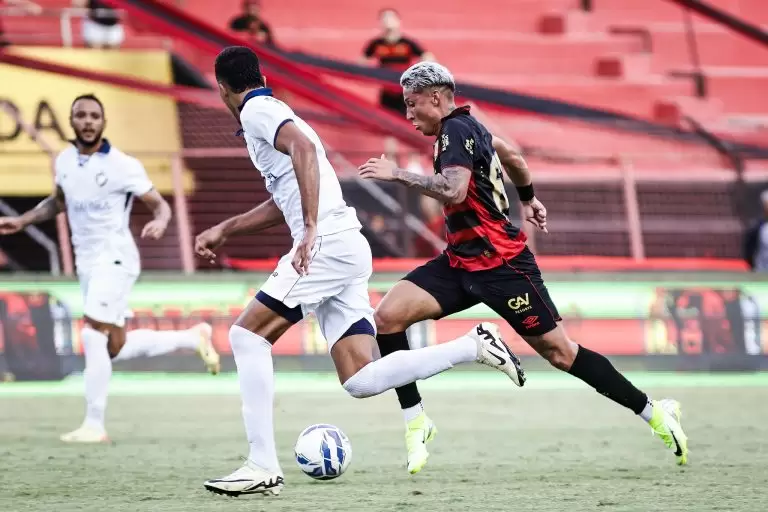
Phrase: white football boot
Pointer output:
(493, 352)
(249, 479)
(86, 434)
(205, 348)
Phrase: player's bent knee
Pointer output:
(365, 382)
(354, 352)
(388, 321)
(239, 338)
(97, 325)
(267, 317)
(355, 392)
(556, 347)
(559, 355)
(560, 360)
(358, 386)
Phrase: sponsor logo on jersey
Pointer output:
(92, 206)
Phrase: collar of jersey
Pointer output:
(262, 91)
(104, 148)
(458, 111)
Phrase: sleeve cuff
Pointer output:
(277, 131)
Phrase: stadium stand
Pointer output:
(627, 57)
(622, 55)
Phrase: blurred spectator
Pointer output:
(252, 24)
(394, 51)
(756, 240)
(102, 28)
(26, 6)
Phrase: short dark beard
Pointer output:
(88, 146)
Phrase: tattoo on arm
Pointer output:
(47, 209)
(449, 187)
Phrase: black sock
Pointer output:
(598, 372)
(408, 395)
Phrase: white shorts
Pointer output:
(336, 287)
(95, 34)
(106, 289)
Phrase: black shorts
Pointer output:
(515, 291)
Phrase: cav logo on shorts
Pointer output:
(520, 304)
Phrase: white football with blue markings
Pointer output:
(323, 452)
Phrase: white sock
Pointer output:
(406, 366)
(411, 413)
(647, 412)
(98, 371)
(253, 356)
(149, 343)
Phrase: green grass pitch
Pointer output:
(554, 445)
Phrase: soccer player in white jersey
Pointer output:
(326, 272)
(96, 184)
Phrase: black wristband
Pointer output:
(525, 193)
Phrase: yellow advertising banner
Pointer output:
(143, 125)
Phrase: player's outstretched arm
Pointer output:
(47, 209)
(294, 143)
(161, 213)
(517, 169)
(450, 186)
(264, 216)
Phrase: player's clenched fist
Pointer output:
(303, 255)
(154, 230)
(10, 225)
(208, 241)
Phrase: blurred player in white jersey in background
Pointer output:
(326, 272)
(96, 184)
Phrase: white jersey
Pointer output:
(99, 191)
(261, 117)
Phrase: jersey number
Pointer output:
(497, 180)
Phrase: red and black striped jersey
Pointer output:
(480, 234)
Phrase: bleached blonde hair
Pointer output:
(424, 75)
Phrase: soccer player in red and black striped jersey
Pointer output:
(487, 260)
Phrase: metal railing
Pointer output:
(346, 171)
(410, 221)
(635, 217)
(61, 220)
(39, 237)
(67, 37)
